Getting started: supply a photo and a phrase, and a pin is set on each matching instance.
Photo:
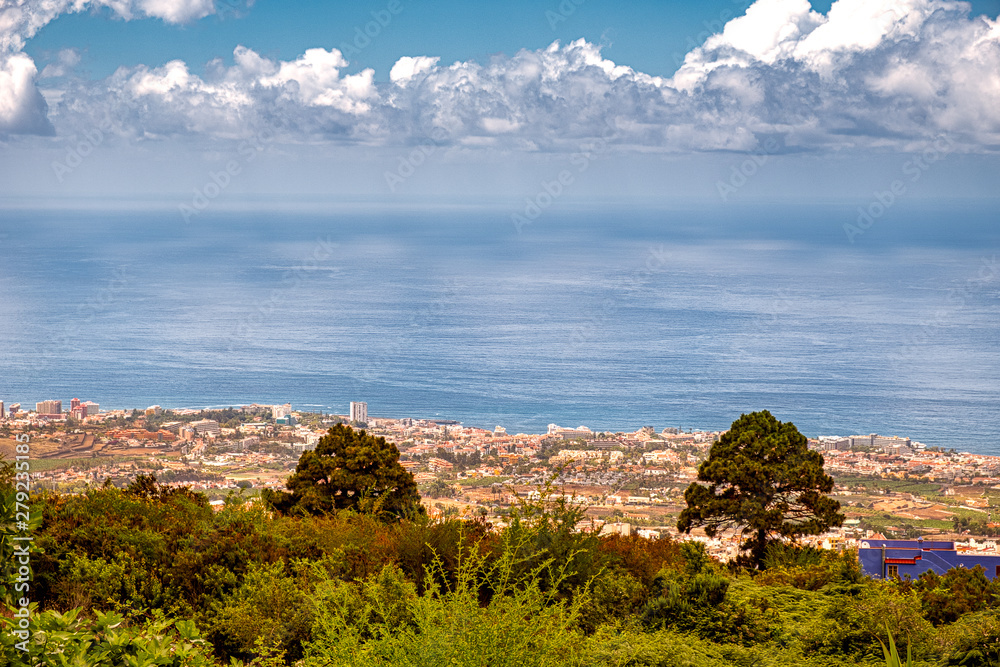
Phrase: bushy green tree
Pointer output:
(972, 641)
(349, 470)
(851, 627)
(808, 568)
(270, 609)
(761, 479)
(120, 549)
(695, 600)
(960, 591)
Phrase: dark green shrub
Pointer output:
(960, 591)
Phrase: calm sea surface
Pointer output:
(611, 317)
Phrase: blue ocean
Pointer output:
(613, 316)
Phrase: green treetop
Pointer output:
(761, 479)
(349, 470)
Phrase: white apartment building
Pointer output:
(206, 427)
(359, 412)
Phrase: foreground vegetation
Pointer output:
(152, 576)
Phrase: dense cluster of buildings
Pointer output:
(889, 444)
(657, 454)
(627, 482)
(51, 410)
(932, 465)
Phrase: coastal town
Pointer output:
(620, 482)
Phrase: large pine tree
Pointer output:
(349, 470)
(762, 480)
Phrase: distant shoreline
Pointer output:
(450, 421)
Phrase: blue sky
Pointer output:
(652, 37)
(649, 36)
(498, 97)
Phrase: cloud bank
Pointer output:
(22, 107)
(870, 74)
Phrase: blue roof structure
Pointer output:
(887, 559)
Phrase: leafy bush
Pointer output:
(973, 640)
(960, 591)
(853, 626)
(382, 620)
(614, 593)
(644, 559)
(626, 647)
(60, 640)
(349, 588)
(269, 609)
(546, 531)
(698, 605)
(808, 568)
(123, 583)
(892, 658)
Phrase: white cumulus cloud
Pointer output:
(177, 11)
(406, 68)
(20, 20)
(867, 74)
(307, 95)
(314, 80)
(22, 108)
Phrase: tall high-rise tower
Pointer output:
(359, 412)
(49, 407)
